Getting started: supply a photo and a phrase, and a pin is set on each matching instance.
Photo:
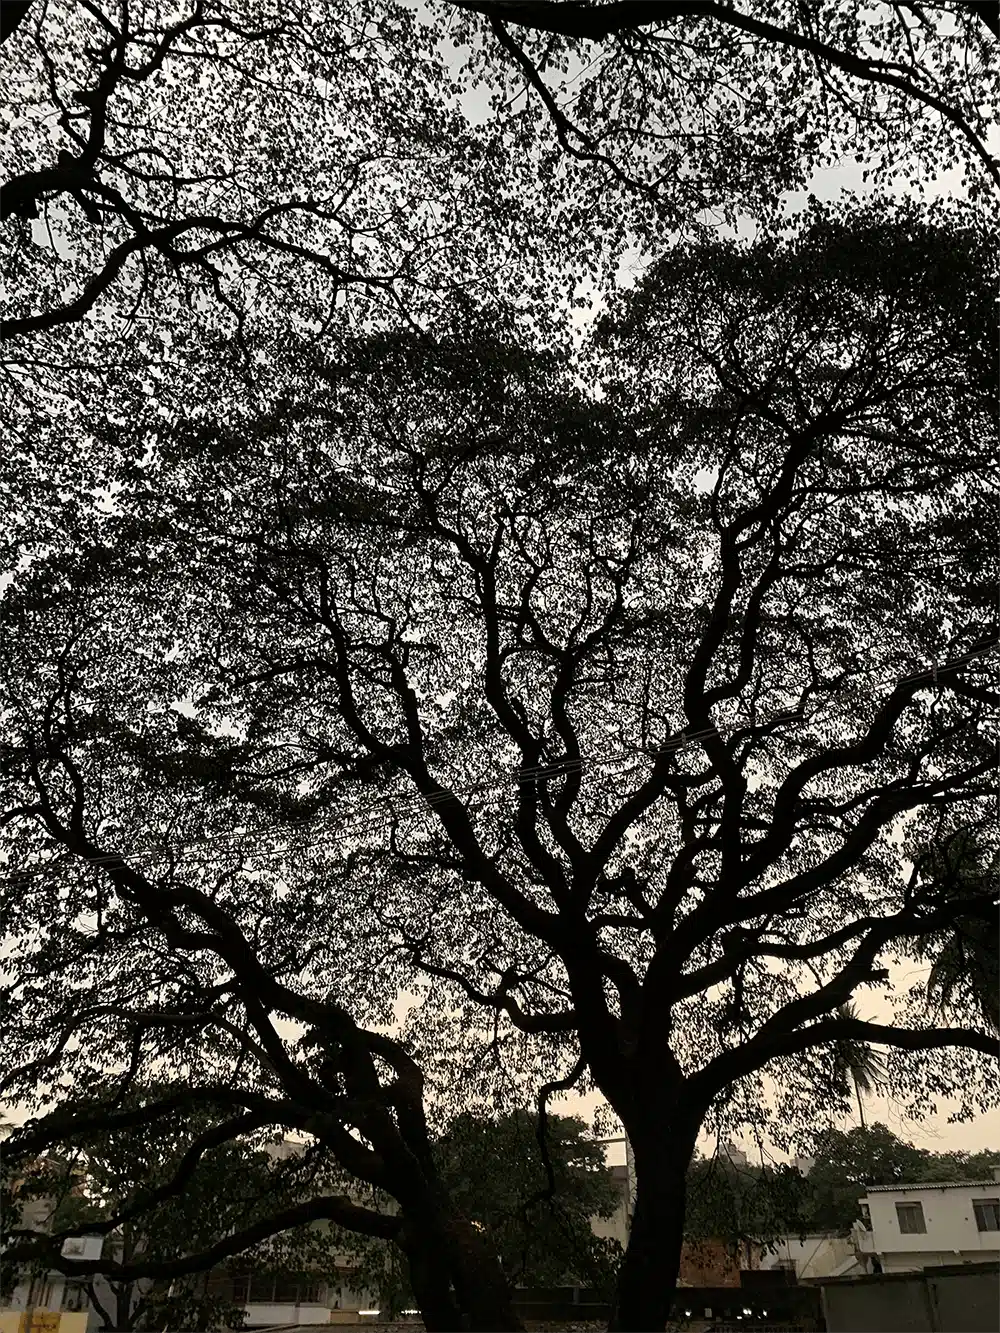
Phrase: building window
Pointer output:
(241, 1289)
(296, 1289)
(987, 1214)
(226, 1286)
(74, 1297)
(284, 1289)
(911, 1219)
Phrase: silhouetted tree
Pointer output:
(581, 694)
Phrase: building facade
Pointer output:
(906, 1228)
(293, 1299)
(616, 1226)
(819, 1255)
(55, 1303)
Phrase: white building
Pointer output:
(821, 1254)
(62, 1299)
(906, 1228)
(617, 1225)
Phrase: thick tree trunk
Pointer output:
(431, 1285)
(457, 1280)
(647, 1281)
(482, 1289)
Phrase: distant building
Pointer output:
(617, 1225)
(291, 1299)
(67, 1309)
(59, 1297)
(267, 1298)
(821, 1254)
(713, 1262)
(906, 1228)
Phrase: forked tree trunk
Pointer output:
(482, 1289)
(431, 1286)
(456, 1279)
(647, 1280)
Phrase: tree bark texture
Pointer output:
(483, 1291)
(647, 1281)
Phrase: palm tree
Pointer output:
(857, 1062)
(965, 967)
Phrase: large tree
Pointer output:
(642, 655)
(205, 978)
(350, 167)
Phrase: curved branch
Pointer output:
(229, 234)
(37, 1135)
(595, 22)
(732, 1065)
(337, 1209)
(564, 1022)
(11, 17)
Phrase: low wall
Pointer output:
(959, 1298)
(588, 1327)
(42, 1321)
(775, 1304)
(569, 1326)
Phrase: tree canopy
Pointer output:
(438, 675)
(161, 1192)
(585, 707)
(848, 1161)
(965, 959)
(356, 167)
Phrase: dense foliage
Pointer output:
(355, 163)
(743, 1205)
(496, 1174)
(411, 558)
(845, 1162)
